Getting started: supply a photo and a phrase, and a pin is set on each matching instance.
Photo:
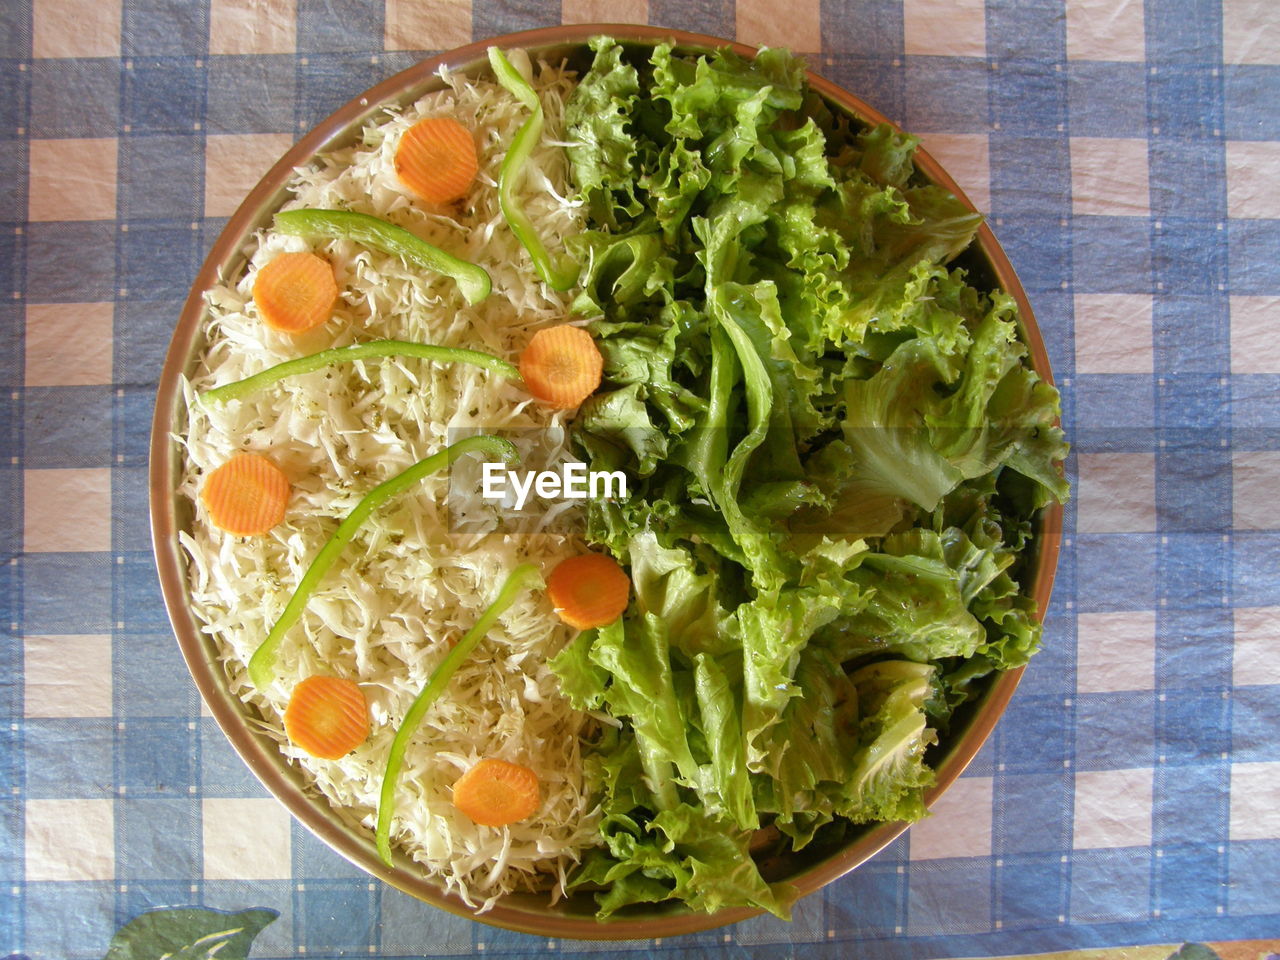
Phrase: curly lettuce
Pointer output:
(838, 448)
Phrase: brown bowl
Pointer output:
(527, 913)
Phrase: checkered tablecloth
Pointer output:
(1129, 156)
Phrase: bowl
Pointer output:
(528, 913)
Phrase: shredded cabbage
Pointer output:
(422, 570)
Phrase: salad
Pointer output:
(688, 270)
(841, 449)
(406, 364)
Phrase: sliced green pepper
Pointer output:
(558, 276)
(379, 234)
(262, 663)
(524, 575)
(357, 351)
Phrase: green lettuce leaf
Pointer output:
(598, 115)
(837, 449)
(889, 778)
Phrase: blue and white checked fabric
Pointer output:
(1128, 154)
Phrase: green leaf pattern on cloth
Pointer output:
(189, 933)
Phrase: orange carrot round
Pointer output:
(494, 793)
(561, 365)
(246, 496)
(295, 292)
(327, 716)
(589, 590)
(436, 159)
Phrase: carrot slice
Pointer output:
(436, 159)
(561, 365)
(246, 496)
(327, 716)
(494, 793)
(589, 590)
(295, 292)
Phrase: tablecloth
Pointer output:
(1128, 155)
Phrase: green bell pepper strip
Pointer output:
(262, 663)
(357, 351)
(379, 234)
(524, 575)
(558, 276)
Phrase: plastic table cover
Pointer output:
(1127, 154)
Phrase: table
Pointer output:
(1128, 155)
